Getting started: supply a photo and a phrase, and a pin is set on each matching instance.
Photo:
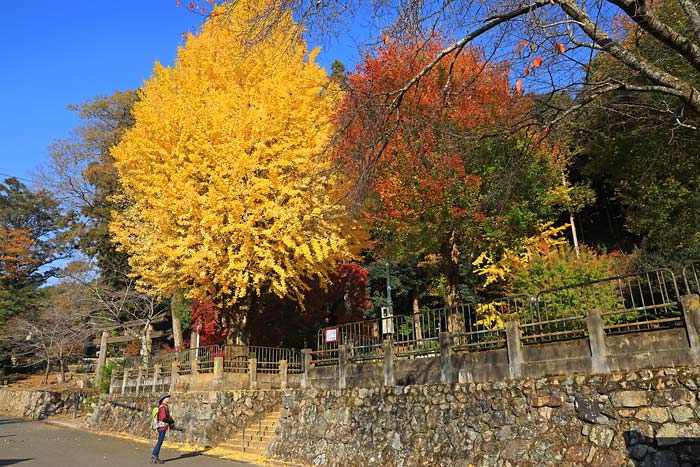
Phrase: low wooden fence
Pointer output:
(208, 368)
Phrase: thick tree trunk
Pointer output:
(147, 342)
(177, 327)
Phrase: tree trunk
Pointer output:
(48, 370)
(416, 317)
(177, 328)
(146, 342)
(455, 320)
(573, 234)
(61, 374)
(236, 321)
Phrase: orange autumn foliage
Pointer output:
(16, 257)
(424, 174)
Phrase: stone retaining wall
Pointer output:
(643, 418)
(201, 418)
(39, 404)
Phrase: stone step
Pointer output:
(249, 439)
(252, 437)
(255, 447)
(258, 436)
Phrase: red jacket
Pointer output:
(164, 416)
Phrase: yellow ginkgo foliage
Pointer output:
(228, 193)
(498, 270)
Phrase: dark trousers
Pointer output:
(161, 437)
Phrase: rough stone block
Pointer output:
(630, 398)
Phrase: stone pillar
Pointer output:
(156, 378)
(102, 357)
(342, 367)
(125, 380)
(139, 377)
(193, 352)
(112, 384)
(389, 378)
(596, 340)
(445, 339)
(283, 374)
(218, 376)
(194, 369)
(691, 317)
(253, 371)
(515, 354)
(305, 367)
(174, 367)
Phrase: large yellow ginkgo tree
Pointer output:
(228, 192)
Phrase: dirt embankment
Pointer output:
(27, 382)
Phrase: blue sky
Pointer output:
(59, 53)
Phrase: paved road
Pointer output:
(39, 444)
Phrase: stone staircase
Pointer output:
(256, 437)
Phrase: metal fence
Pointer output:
(628, 303)
(633, 302)
(646, 301)
(364, 338)
(484, 323)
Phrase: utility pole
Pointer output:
(389, 303)
(388, 310)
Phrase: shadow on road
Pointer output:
(663, 452)
(13, 461)
(187, 455)
(10, 421)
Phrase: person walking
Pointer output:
(164, 423)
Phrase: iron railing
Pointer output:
(484, 323)
(236, 358)
(627, 303)
(646, 301)
(363, 339)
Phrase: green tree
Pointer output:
(643, 148)
(32, 239)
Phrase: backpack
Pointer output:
(154, 419)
